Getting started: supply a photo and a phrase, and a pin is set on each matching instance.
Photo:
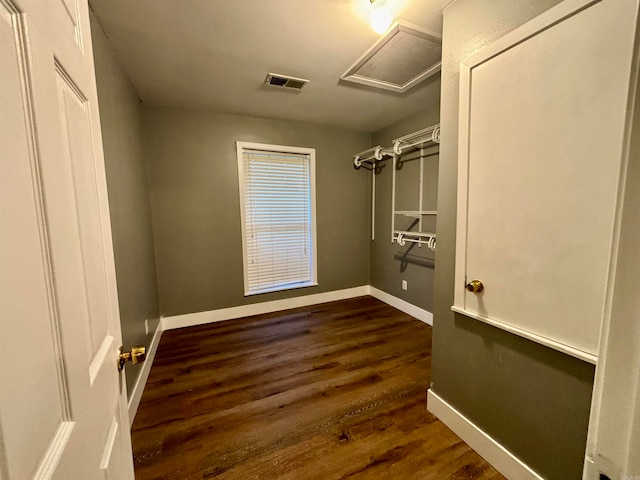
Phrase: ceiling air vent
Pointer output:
(285, 81)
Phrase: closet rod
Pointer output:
(408, 157)
(414, 259)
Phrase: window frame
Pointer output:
(241, 147)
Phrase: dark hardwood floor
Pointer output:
(332, 391)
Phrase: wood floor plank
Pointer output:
(331, 391)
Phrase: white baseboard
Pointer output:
(201, 318)
(402, 305)
(499, 457)
(138, 388)
(210, 316)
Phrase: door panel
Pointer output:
(541, 148)
(112, 458)
(31, 377)
(543, 175)
(76, 129)
(62, 399)
(71, 24)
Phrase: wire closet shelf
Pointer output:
(419, 140)
(422, 138)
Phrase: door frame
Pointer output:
(613, 443)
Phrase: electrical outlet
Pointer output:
(404, 284)
(146, 326)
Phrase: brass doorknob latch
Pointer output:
(136, 355)
(474, 286)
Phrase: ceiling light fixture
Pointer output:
(381, 15)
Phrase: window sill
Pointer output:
(280, 288)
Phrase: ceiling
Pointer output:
(215, 55)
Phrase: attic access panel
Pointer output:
(404, 57)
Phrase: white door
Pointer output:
(543, 114)
(62, 401)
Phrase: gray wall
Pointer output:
(391, 263)
(196, 211)
(120, 118)
(533, 400)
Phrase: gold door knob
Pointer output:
(475, 286)
(136, 355)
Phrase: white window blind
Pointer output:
(276, 190)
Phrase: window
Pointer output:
(277, 205)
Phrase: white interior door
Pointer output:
(62, 401)
(542, 122)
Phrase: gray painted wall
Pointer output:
(533, 400)
(389, 262)
(120, 118)
(196, 211)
